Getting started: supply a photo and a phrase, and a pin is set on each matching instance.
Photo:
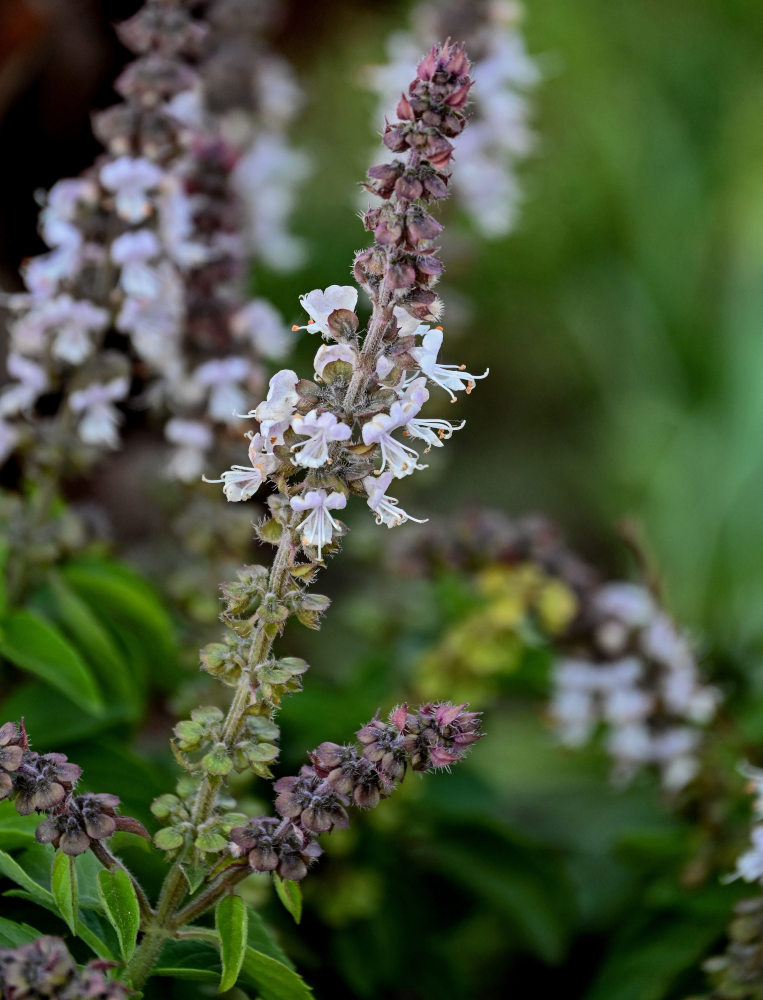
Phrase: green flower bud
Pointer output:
(169, 840)
(217, 761)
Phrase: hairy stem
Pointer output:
(175, 886)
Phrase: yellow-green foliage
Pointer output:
(518, 606)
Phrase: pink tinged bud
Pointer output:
(388, 233)
(404, 109)
(438, 150)
(439, 757)
(409, 188)
(371, 219)
(399, 716)
(400, 275)
(395, 138)
(419, 303)
(445, 714)
(422, 226)
(458, 98)
(429, 266)
(127, 824)
(436, 185)
(428, 65)
(386, 174)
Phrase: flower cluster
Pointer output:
(631, 668)
(316, 800)
(621, 663)
(151, 242)
(44, 968)
(320, 441)
(499, 136)
(45, 783)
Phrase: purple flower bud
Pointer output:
(43, 780)
(271, 844)
(85, 818)
(422, 226)
(436, 185)
(385, 175)
(400, 275)
(395, 138)
(408, 187)
(312, 801)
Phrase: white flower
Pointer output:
(319, 526)
(130, 179)
(328, 353)
(221, 377)
(434, 432)
(100, 419)
(385, 508)
(750, 864)
(573, 713)
(63, 201)
(32, 382)
(402, 461)
(406, 323)
(241, 482)
(321, 430)
(451, 378)
(262, 326)
(627, 704)
(74, 321)
(266, 178)
(631, 603)
(320, 304)
(193, 439)
(276, 412)
(43, 274)
(176, 225)
(132, 251)
(154, 321)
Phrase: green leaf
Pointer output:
(231, 920)
(191, 960)
(273, 980)
(194, 875)
(15, 830)
(260, 938)
(198, 960)
(126, 602)
(31, 643)
(290, 895)
(13, 871)
(89, 936)
(121, 904)
(82, 625)
(63, 881)
(13, 934)
(56, 721)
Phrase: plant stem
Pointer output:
(175, 886)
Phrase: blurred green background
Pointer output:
(622, 327)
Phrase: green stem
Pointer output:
(207, 899)
(175, 886)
